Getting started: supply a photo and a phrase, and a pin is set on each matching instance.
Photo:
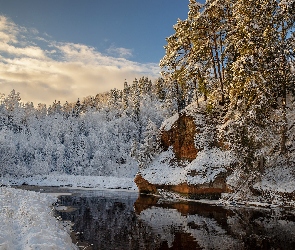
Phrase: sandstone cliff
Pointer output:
(181, 136)
(192, 163)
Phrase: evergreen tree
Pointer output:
(135, 100)
(261, 70)
(125, 96)
(77, 109)
(159, 89)
(150, 145)
(196, 52)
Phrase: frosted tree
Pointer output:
(15, 113)
(125, 96)
(41, 110)
(77, 109)
(135, 99)
(56, 108)
(196, 52)
(150, 145)
(159, 89)
(284, 76)
(261, 73)
(67, 109)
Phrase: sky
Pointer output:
(69, 49)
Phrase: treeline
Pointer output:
(107, 134)
(239, 55)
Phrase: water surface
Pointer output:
(113, 219)
(125, 220)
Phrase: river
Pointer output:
(116, 219)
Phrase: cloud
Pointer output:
(120, 52)
(29, 51)
(60, 71)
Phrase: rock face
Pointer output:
(144, 186)
(210, 190)
(181, 137)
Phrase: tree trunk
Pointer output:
(284, 118)
(196, 92)
(218, 68)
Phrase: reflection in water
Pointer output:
(110, 220)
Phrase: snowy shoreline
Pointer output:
(27, 222)
(27, 217)
(168, 196)
(74, 181)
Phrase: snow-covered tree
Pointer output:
(150, 146)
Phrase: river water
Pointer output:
(121, 220)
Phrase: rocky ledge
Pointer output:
(211, 190)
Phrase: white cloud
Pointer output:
(29, 51)
(61, 71)
(120, 52)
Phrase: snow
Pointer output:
(208, 165)
(76, 181)
(162, 171)
(233, 179)
(167, 124)
(27, 222)
(277, 179)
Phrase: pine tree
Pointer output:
(196, 52)
(135, 100)
(159, 89)
(125, 96)
(150, 144)
(261, 69)
(77, 109)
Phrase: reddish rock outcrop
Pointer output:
(210, 190)
(181, 137)
(144, 186)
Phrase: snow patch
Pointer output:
(162, 171)
(207, 165)
(167, 124)
(277, 179)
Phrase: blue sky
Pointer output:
(82, 47)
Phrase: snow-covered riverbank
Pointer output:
(27, 222)
(75, 181)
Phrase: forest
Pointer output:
(106, 134)
(239, 55)
(235, 56)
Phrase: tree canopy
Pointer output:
(240, 55)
